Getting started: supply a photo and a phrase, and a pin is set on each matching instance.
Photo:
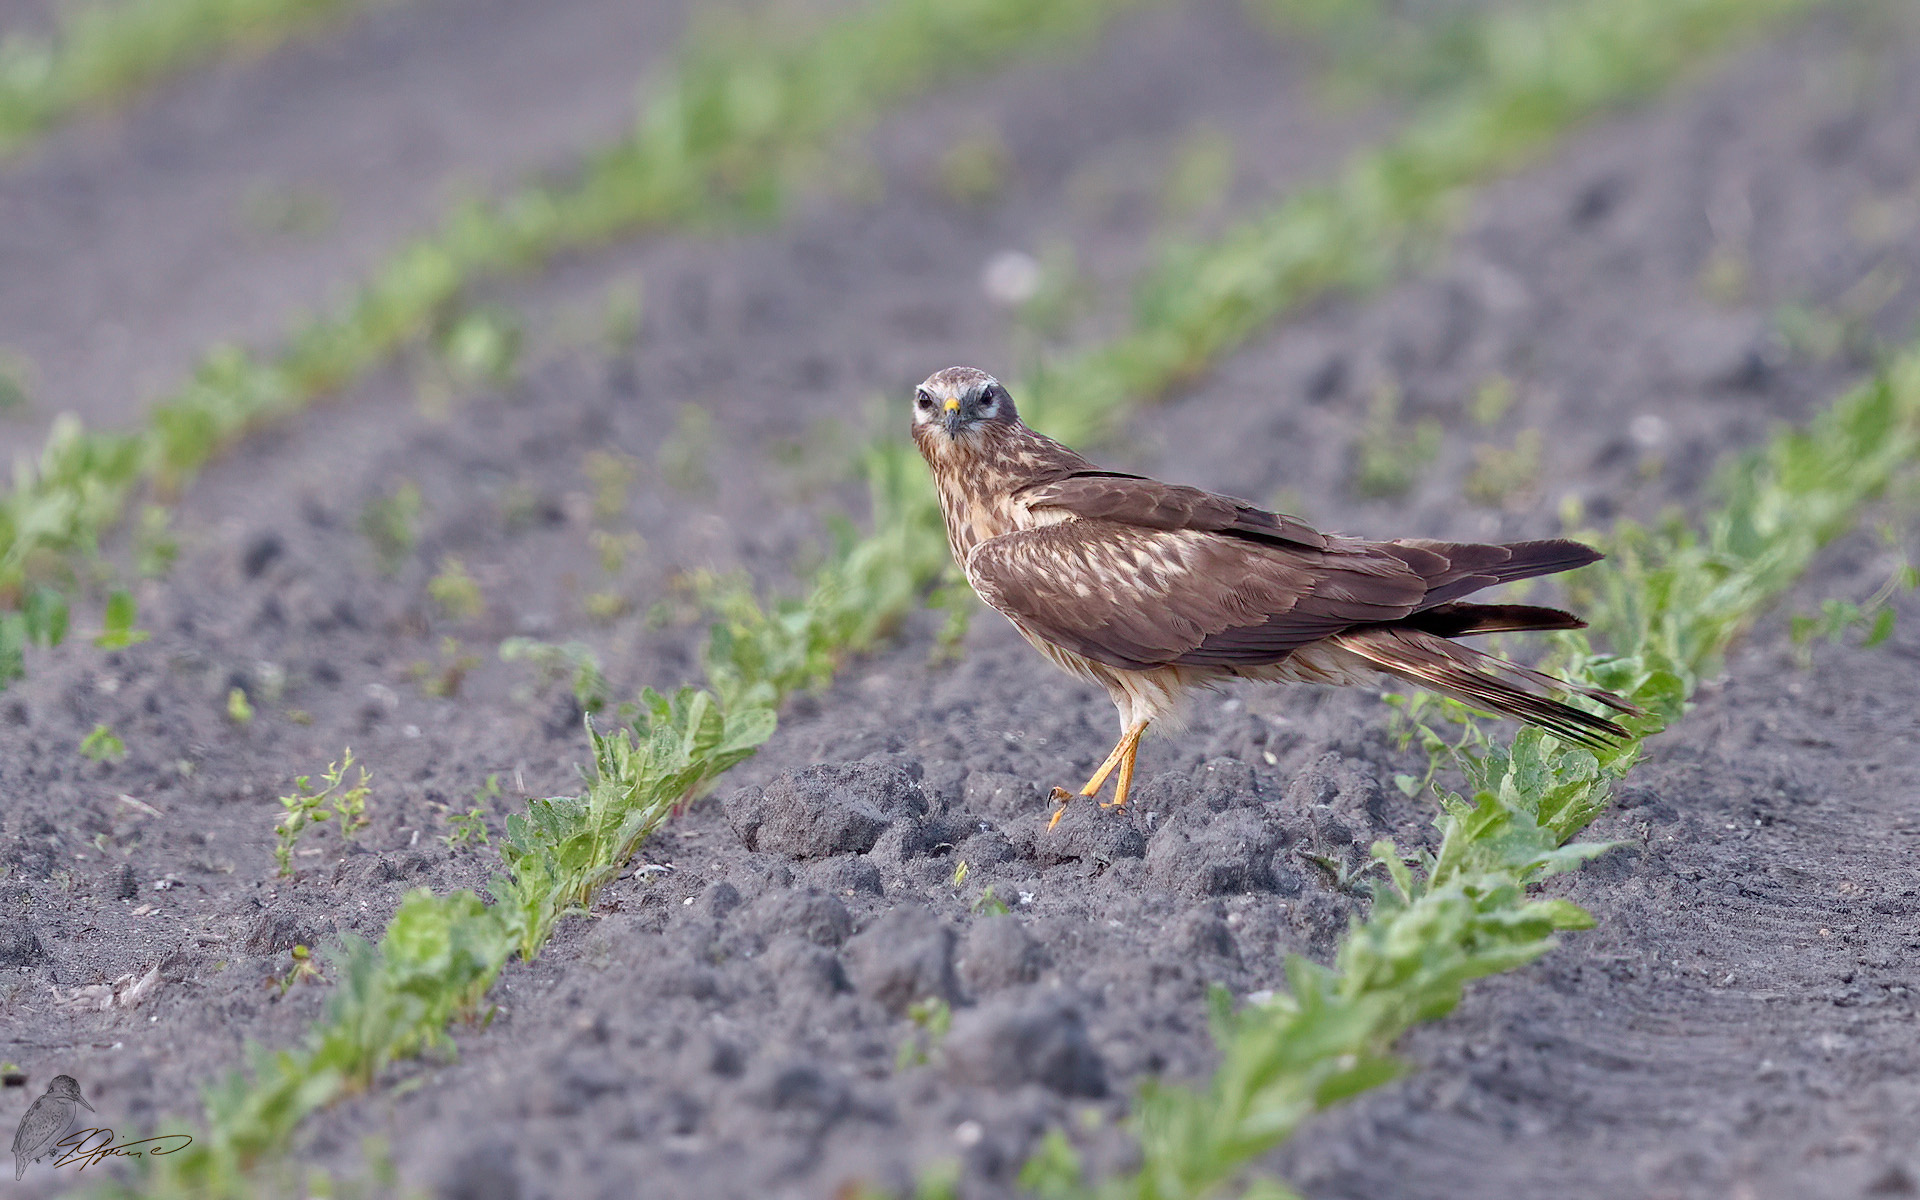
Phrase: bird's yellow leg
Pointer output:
(1125, 783)
(1122, 757)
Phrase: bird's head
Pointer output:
(68, 1087)
(959, 401)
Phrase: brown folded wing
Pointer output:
(1151, 574)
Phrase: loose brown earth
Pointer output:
(731, 1021)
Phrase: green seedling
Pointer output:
(307, 807)
(1726, 276)
(1837, 617)
(444, 680)
(239, 708)
(614, 549)
(392, 524)
(117, 631)
(155, 546)
(684, 454)
(573, 663)
(990, 905)
(103, 745)
(1391, 453)
(961, 605)
(16, 383)
(468, 829)
(302, 970)
(1492, 400)
(1504, 476)
(455, 592)
(606, 606)
(932, 1018)
(611, 474)
(974, 170)
(564, 848)
(481, 348)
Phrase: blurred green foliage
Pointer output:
(104, 50)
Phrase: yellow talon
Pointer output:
(1059, 796)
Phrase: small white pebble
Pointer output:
(1649, 430)
(1010, 277)
(968, 1133)
(410, 731)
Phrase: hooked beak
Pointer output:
(954, 418)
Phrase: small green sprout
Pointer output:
(615, 548)
(1726, 277)
(1389, 456)
(481, 348)
(932, 1018)
(302, 970)
(1491, 400)
(611, 474)
(990, 905)
(444, 680)
(103, 745)
(155, 546)
(468, 829)
(455, 592)
(574, 662)
(684, 454)
(975, 169)
(392, 524)
(117, 631)
(16, 379)
(239, 708)
(606, 606)
(1501, 476)
(1839, 617)
(307, 807)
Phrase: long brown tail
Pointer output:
(1417, 650)
(1471, 566)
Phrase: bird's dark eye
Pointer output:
(988, 399)
(921, 400)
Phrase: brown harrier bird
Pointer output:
(1152, 589)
